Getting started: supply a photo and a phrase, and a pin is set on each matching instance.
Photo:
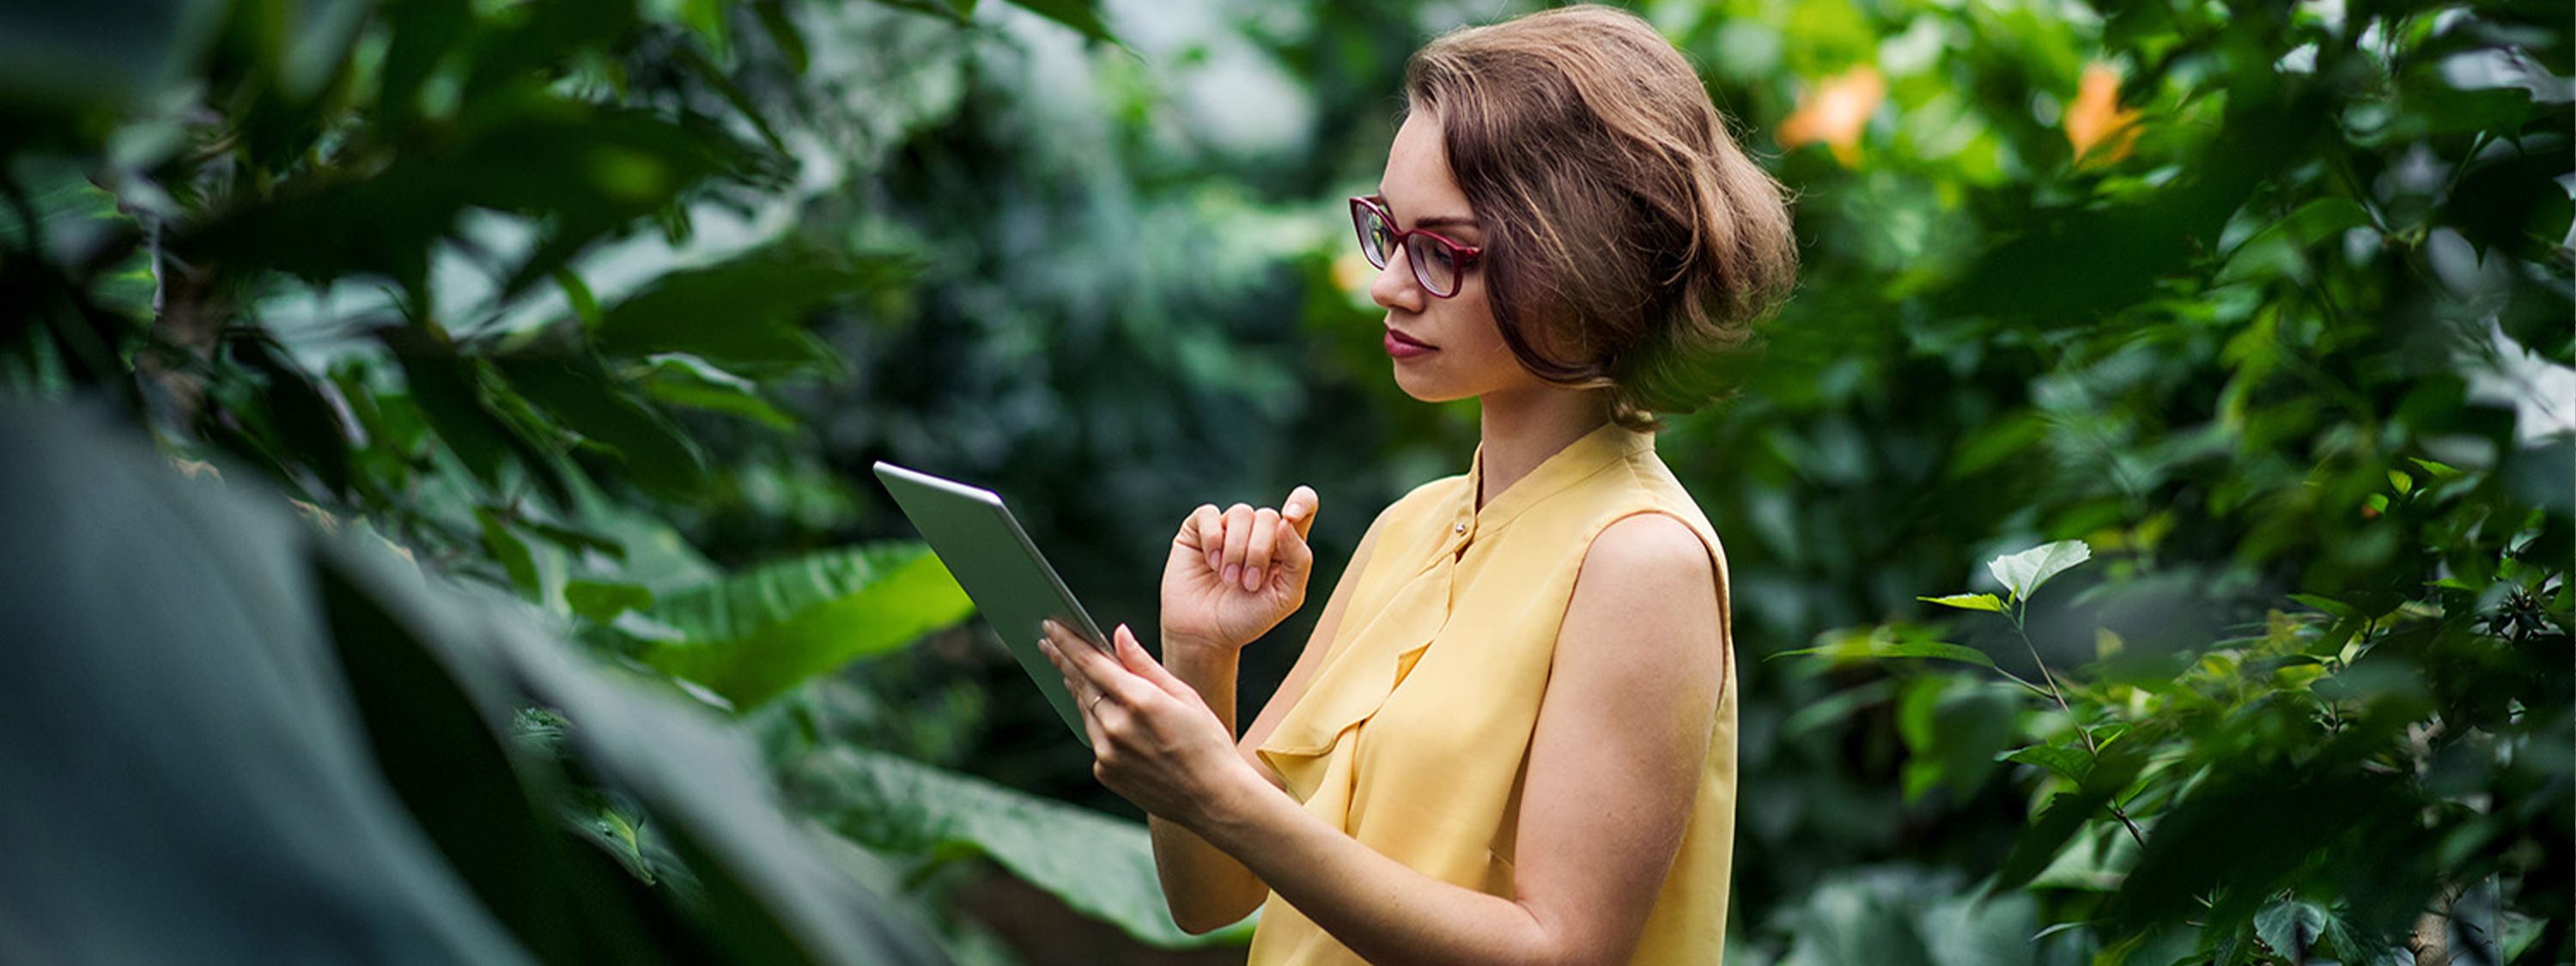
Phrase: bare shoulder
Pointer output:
(1646, 597)
(1648, 553)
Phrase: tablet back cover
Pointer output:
(994, 560)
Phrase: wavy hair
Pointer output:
(1631, 242)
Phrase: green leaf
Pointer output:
(658, 457)
(742, 312)
(1967, 602)
(220, 760)
(2022, 573)
(2038, 845)
(2290, 928)
(2071, 763)
(2439, 471)
(585, 306)
(2324, 603)
(2096, 859)
(2278, 246)
(686, 380)
(602, 602)
(1100, 865)
(512, 552)
(751, 636)
(1081, 15)
(344, 774)
(1888, 642)
(783, 32)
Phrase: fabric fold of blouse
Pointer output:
(1413, 735)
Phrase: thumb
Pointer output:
(1132, 654)
(1300, 508)
(1291, 549)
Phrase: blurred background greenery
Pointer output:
(606, 306)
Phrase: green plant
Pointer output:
(2354, 782)
(513, 290)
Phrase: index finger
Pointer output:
(1101, 669)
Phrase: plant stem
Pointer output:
(2053, 691)
(2090, 747)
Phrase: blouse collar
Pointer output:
(1605, 444)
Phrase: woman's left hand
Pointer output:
(1153, 740)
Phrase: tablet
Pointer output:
(1010, 581)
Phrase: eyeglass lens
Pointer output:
(1431, 263)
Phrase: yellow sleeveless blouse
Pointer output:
(1414, 733)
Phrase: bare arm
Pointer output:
(1206, 888)
(1613, 766)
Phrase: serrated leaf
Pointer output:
(2071, 763)
(2290, 928)
(750, 636)
(1967, 602)
(2023, 573)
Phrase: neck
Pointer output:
(1522, 428)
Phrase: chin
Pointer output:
(1427, 389)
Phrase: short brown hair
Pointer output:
(1620, 214)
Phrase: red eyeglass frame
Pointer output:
(1462, 256)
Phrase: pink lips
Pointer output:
(1399, 346)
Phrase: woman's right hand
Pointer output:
(1236, 573)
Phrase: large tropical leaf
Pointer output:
(310, 761)
(751, 636)
(187, 777)
(1099, 865)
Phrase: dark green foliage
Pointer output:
(611, 304)
(297, 748)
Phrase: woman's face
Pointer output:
(1468, 357)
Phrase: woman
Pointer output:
(1566, 231)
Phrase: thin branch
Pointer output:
(2090, 746)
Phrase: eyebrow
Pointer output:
(1435, 221)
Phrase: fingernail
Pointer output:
(1252, 579)
(1233, 572)
(1213, 560)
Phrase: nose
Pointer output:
(1395, 287)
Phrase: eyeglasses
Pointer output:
(1438, 263)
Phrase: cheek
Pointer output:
(1482, 339)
